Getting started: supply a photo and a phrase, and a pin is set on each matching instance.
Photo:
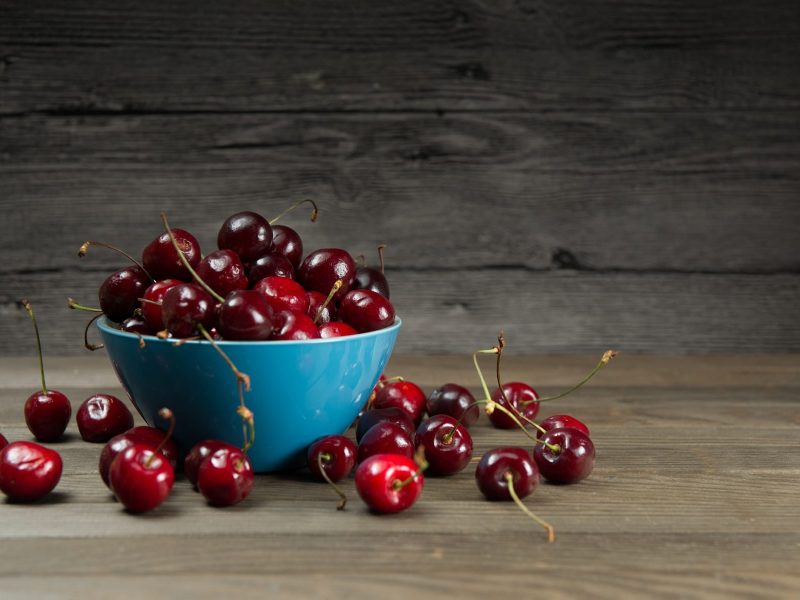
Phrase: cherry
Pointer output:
(223, 271)
(199, 452)
(247, 233)
(366, 310)
(322, 268)
(101, 417)
(389, 483)
(570, 461)
(283, 294)
(390, 414)
(47, 412)
(287, 242)
(136, 324)
(225, 477)
(120, 292)
(405, 395)
(143, 434)
(271, 265)
(453, 400)
(289, 325)
(162, 261)
(3, 441)
(447, 443)
(335, 329)
(151, 303)
(28, 471)
(519, 398)
(140, 476)
(245, 315)
(371, 279)
(561, 422)
(331, 459)
(385, 438)
(184, 307)
(318, 309)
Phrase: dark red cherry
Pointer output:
(385, 438)
(246, 233)
(184, 306)
(271, 265)
(336, 454)
(136, 324)
(405, 395)
(47, 414)
(223, 272)
(335, 329)
(289, 325)
(140, 478)
(283, 294)
(377, 415)
(490, 474)
(119, 294)
(322, 268)
(151, 309)
(371, 279)
(574, 459)
(523, 400)
(225, 477)
(389, 483)
(3, 441)
(28, 471)
(317, 301)
(453, 400)
(161, 260)
(448, 445)
(245, 315)
(144, 435)
(286, 241)
(366, 310)
(199, 452)
(102, 416)
(562, 422)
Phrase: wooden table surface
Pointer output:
(694, 494)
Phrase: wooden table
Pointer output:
(695, 494)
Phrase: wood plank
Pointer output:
(542, 54)
(686, 192)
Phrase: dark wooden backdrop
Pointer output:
(581, 174)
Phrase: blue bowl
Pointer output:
(300, 390)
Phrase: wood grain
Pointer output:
(693, 496)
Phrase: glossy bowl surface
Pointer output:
(300, 390)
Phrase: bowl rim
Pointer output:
(104, 326)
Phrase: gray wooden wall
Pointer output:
(582, 174)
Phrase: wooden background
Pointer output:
(581, 174)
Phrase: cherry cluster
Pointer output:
(256, 286)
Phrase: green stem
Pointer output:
(551, 534)
(324, 456)
(607, 356)
(314, 212)
(25, 303)
(75, 306)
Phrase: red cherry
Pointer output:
(120, 292)
(290, 325)
(371, 279)
(366, 310)
(391, 414)
(335, 329)
(283, 294)
(561, 422)
(322, 268)
(138, 325)
(385, 438)
(245, 315)
(490, 474)
(336, 454)
(101, 417)
(522, 399)
(148, 436)
(448, 444)
(198, 453)
(161, 259)
(223, 272)
(271, 265)
(574, 459)
(453, 400)
(151, 310)
(317, 301)
(184, 306)
(247, 233)
(141, 478)
(28, 471)
(389, 483)
(47, 415)
(3, 441)
(286, 241)
(405, 395)
(225, 477)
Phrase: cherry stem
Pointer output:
(75, 306)
(26, 304)
(248, 422)
(85, 248)
(336, 287)
(607, 356)
(242, 377)
(361, 260)
(324, 457)
(381, 248)
(422, 464)
(186, 264)
(501, 343)
(164, 413)
(551, 534)
(148, 301)
(314, 212)
(94, 347)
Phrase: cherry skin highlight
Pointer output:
(247, 233)
(453, 400)
(225, 477)
(522, 399)
(573, 461)
(378, 481)
(338, 457)
(141, 479)
(47, 415)
(28, 471)
(491, 471)
(161, 259)
(366, 310)
(138, 325)
(102, 416)
(385, 438)
(405, 395)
